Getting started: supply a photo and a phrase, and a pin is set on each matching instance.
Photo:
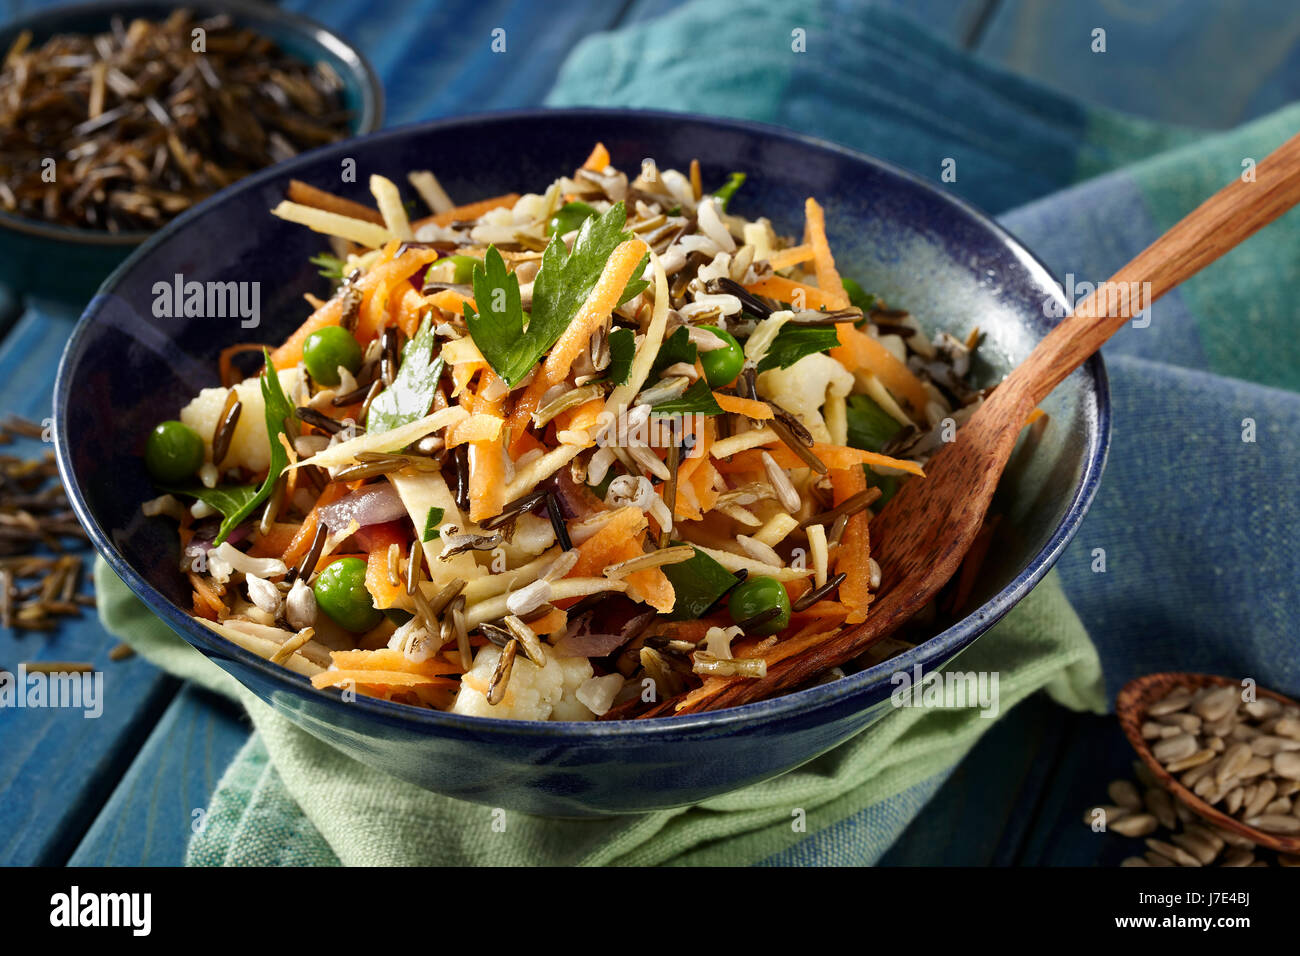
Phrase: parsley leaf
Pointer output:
(635, 287)
(678, 347)
(497, 328)
(225, 499)
(869, 425)
(512, 341)
(280, 416)
(411, 393)
(698, 584)
(622, 349)
(431, 522)
(696, 400)
(331, 267)
(728, 189)
(793, 342)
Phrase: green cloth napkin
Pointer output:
(290, 799)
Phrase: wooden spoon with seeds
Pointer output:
(1132, 706)
(929, 525)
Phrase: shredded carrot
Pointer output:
(785, 258)
(595, 310)
(832, 456)
(387, 659)
(743, 406)
(389, 278)
(487, 473)
(449, 300)
(621, 539)
(474, 428)
(598, 159)
(468, 211)
(600, 303)
(371, 678)
(276, 541)
(857, 350)
(853, 556)
(385, 593)
(1034, 416)
(828, 279)
(549, 623)
(581, 417)
(297, 547)
(308, 195)
(290, 353)
(787, 290)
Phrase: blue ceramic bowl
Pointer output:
(125, 369)
(67, 264)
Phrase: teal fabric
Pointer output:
(1197, 527)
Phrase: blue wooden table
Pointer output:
(124, 788)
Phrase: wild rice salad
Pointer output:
(594, 452)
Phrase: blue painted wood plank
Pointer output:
(149, 817)
(59, 764)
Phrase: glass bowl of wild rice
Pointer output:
(117, 117)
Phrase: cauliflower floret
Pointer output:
(249, 447)
(802, 389)
(535, 693)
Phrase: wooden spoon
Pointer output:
(1136, 698)
(927, 527)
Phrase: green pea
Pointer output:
(173, 452)
(721, 366)
(464, 268)
(328, 348)
(568, 218)
(756, 595)
(341, 593)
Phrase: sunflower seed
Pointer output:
(1195, 760)
(1258, 797)
(1197, 846)
(1134, 861)
(1175, 853)
(1287, 765)
(1137, 825)
(1174, 748)
(1266, 745)
(1274, 823)
(1124, 794)
(1288, 727)
(1173, 702)
(1218, 703)
(1237, 856)
(1156, 859)
(1232, 762)
(1159, 803)
(1232, 802)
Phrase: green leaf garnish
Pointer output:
(225, 499)
(635, 287)
(698, 583)
(869, 425)
(622, 349)
(678, 347)
(728, 189)
(696, 400)
(412, 391)
(793, 342)
(280, 417)
(331, 267)
(562, 285)
(431, 522)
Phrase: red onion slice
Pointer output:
(373, 504)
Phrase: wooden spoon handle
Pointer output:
(1220, 223)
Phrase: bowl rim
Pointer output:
(941, 646)
(369, 120)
